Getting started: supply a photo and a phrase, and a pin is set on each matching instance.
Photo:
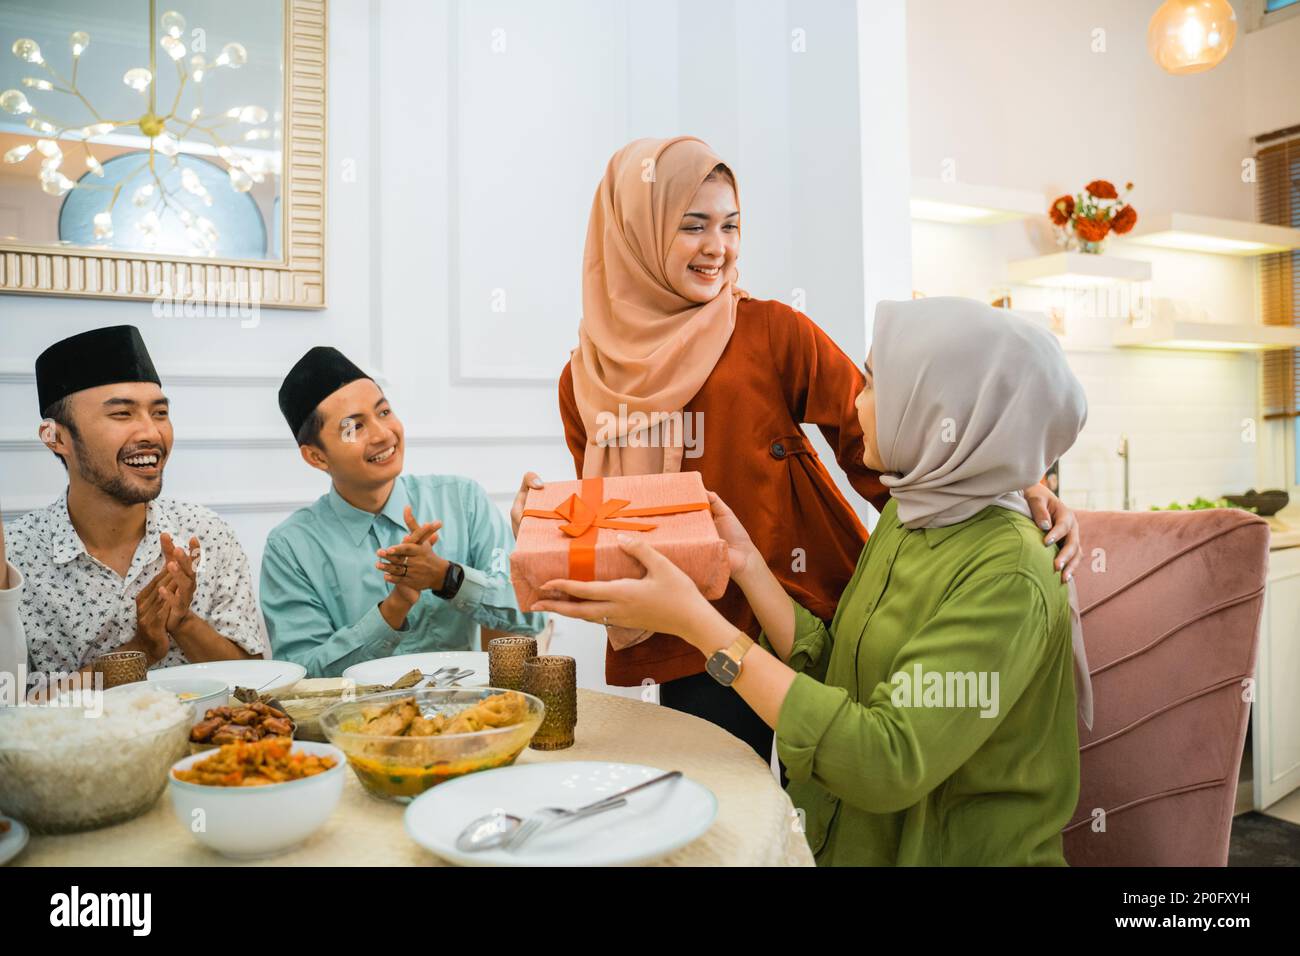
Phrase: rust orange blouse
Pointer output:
(779, 370)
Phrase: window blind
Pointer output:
(1277, 170)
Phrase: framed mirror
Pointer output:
(166, 150)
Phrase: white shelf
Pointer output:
(1225, 237)
(1207, 336)
(934, 200)
(1075, 269)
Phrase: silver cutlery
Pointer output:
(509, 832)
(493, 830)
(548, 817)
(449, 675)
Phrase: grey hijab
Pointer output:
(973, 404)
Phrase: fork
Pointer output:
(555, 816)
(449, 675)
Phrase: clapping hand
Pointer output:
(177, 591)
(413, 566)
(151, 613)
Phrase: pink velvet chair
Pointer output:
(1171, 604)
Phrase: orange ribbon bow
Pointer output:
(585, 513)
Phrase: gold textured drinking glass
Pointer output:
(506, 659)
(120, 667)
(554, 679)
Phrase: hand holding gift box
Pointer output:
(570, 530)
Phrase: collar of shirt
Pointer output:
(357, 523)
(66, 545)
(937, 536)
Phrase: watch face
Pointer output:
(452, 582)
(723, 668)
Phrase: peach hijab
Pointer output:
(644, 349)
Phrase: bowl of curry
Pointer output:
(401, 743)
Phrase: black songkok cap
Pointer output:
(316, 376)
(98, 357)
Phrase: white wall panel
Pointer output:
(457, 169)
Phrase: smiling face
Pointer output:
(361, 443)
(707, 241)
(117, 438)
(866, 405)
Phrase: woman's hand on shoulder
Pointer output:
(1059, 524)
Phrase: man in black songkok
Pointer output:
(355, 576)
(110, 565)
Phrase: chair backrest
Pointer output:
(1171, 605)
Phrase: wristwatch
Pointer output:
(724, 665)
(451, 581)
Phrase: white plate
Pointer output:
(268, 677)
(654, 823)
(12, 843)
(385, 670)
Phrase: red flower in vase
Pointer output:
(1101, 189)
(1062, 209)
(1091, 230)
(1124, 220)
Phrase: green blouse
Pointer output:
(934, 723)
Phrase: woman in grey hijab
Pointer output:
(934, 721)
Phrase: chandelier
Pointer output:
(165, 132)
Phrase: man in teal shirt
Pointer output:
(355, 576)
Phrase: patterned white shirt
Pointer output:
(75, 608)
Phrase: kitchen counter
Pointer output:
(1285, 528)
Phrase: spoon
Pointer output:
(493, 830)
(498, 828)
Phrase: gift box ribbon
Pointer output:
(585, 513)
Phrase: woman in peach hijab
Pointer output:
(666, 330)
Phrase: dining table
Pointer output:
(756, 824)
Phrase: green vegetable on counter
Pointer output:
(1200, 504)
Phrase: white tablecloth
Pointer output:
(756, 823)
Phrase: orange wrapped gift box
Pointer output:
(570, 530)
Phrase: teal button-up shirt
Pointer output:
(320, 590)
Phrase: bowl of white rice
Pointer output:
(79, 764)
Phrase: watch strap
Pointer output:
(739, 647)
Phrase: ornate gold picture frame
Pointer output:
(296, 280)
